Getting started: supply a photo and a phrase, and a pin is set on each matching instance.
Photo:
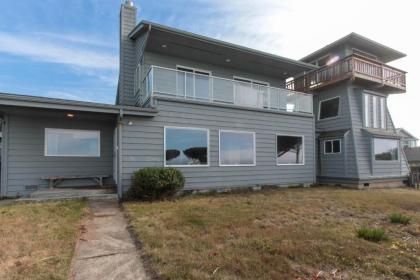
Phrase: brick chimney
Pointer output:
(128, 14)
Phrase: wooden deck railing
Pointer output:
(351, 66)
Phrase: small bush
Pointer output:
(372, 234)
(397, 218)
(156, 183)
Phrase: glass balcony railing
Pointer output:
(192, 86)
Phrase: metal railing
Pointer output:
(352, 65)
(193, 86)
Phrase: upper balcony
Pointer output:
(368, 72)
(178, 84)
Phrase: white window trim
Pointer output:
(98, 132)
(375, 111)
(255, 148)
(332, 147)
(252, 81)
(382, 112)
(319, 108)
(193, 69)
(385, 161)
(188, 128)
(303, 149)
(366, 105)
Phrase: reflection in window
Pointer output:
(72, 142)
(186, 146)
(329, 108)
(236, 148)
(289, 149)
(386, 149)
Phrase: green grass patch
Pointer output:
(398, 218)
(372, 234)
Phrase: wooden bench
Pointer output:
(54, 181)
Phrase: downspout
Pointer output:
(4, 155)
(119, 154)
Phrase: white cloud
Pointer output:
(76, 38)
(49, 51)
(294, 29)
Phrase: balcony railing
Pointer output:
(161, 81)
(351, 66)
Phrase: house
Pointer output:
(407, 139)
(224, 114)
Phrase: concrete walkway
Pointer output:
(105, 249)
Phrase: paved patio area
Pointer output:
(105, 249)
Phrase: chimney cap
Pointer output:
(129, 3)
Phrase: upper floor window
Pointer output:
(329, 108)
(247, 92)
(193, 82)
(374, 111)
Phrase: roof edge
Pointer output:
(348, 36)
(144, 24)
(20, 100)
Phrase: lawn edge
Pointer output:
(150, 267)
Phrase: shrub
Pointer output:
(156, 183)
(397, 218)
(372, 234)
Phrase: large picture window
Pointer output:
(186, 146)
(290, 150)
(72, 142)
(329, 108)
(236, 148)
(332, 146)
(385, 149)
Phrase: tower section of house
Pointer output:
(357, 143)
(224, 116)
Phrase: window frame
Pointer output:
(332, 146)
(194, 70)
(98, 132)
(319, 108)
(385, 161)
(250, 81)
(186, 128)
(239, 132)
(366, 109)
(303, 149)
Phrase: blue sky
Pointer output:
(69, 48)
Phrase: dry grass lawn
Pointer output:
(281, 234)
(37, 240)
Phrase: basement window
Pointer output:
(329, 108)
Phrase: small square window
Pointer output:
(332, 146)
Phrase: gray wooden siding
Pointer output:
(223, 72)
(344, 164)
(27, 163)
(343, 120)
(143, 144)
(368, 167)
(333, 164)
